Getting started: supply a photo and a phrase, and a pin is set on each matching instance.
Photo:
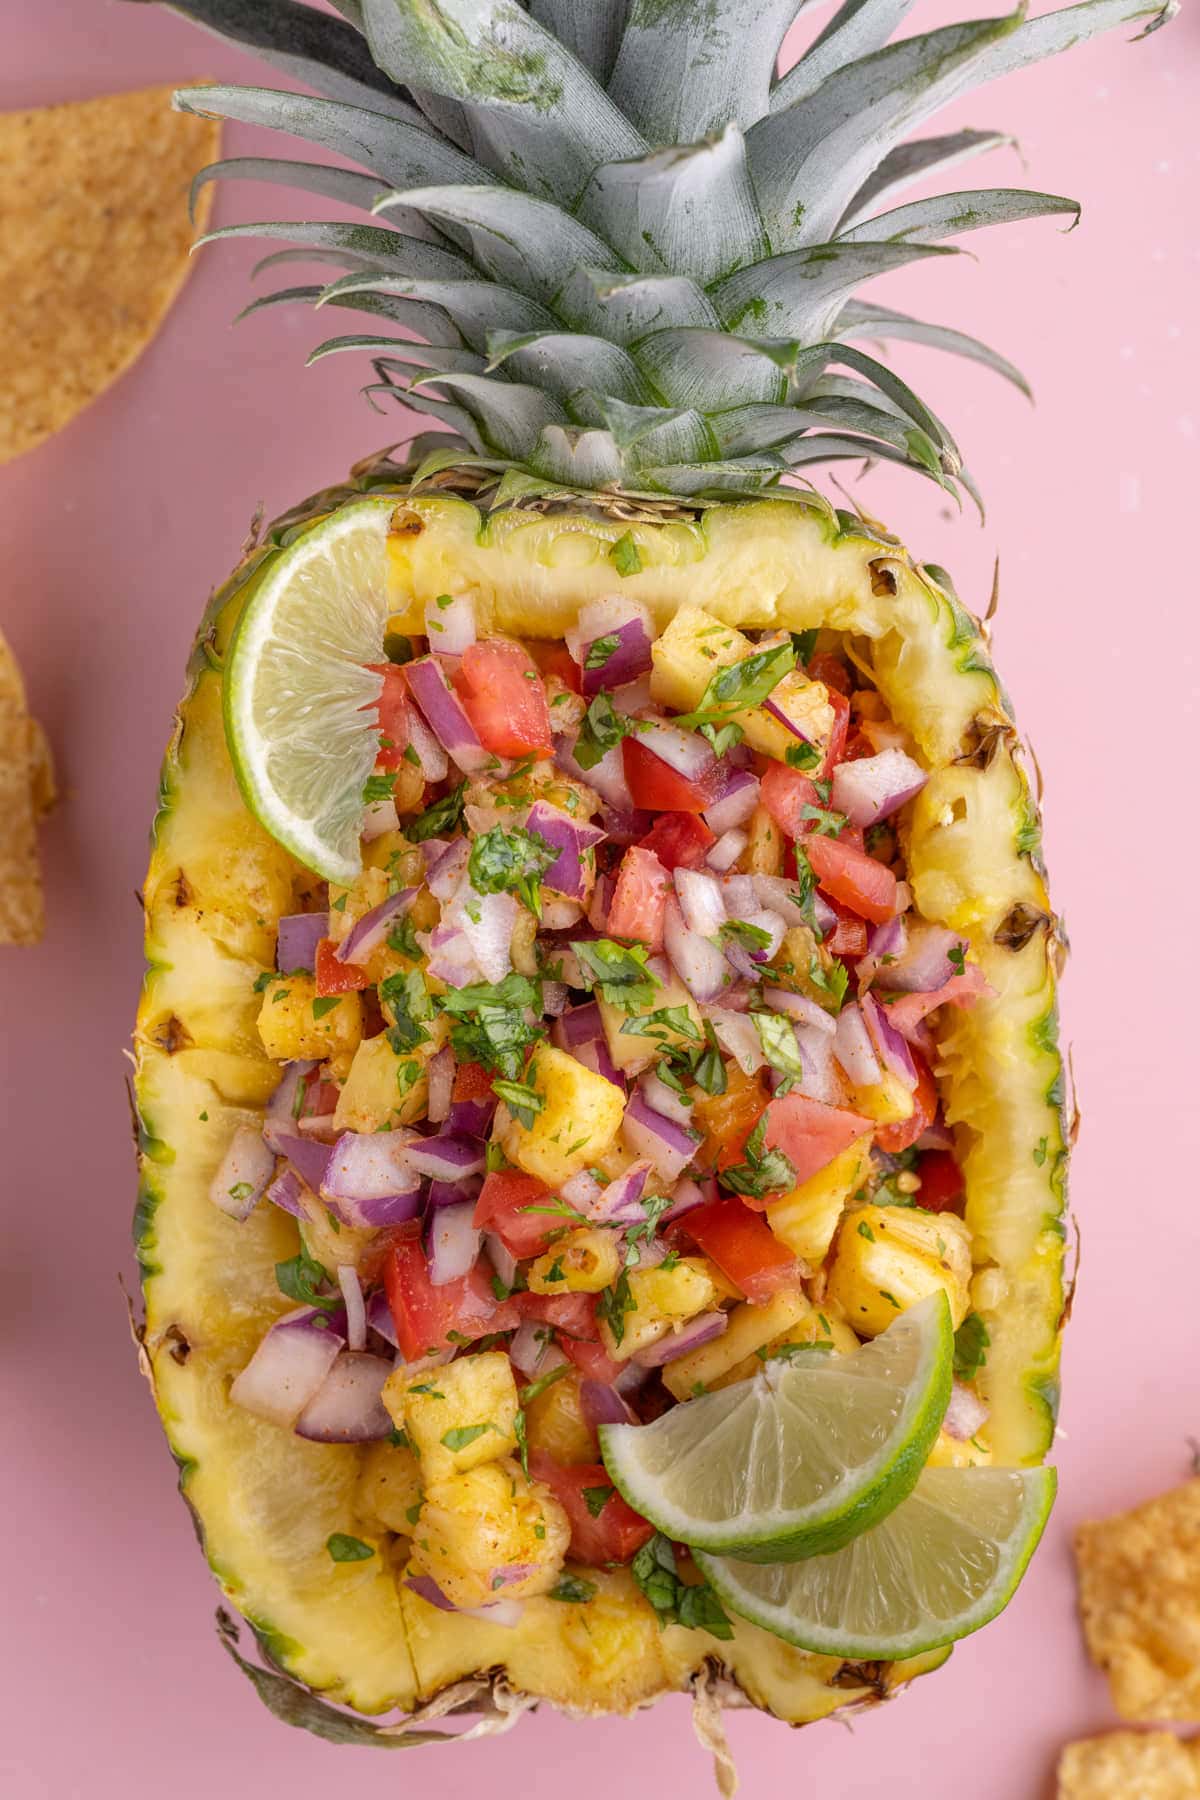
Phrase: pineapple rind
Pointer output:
(265, 1501)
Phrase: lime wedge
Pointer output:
(802, 1457)
(297, 693)
(945, 1562)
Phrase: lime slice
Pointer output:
(298, 695)
(945, 1562)
(802, 1457)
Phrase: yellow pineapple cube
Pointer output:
(887, 1258)
(749, 1328)
(384, 1090)
(456, 1416)
(763, 854)
(695, 646)
(555, 1424)
(806, 1219)
(392, 852)
(296, 1024)
(632, 1052)
(887, 1101)
(490, 1533)
(582, 1263)
(662, 1298)
(389, 1488)
(579, 1118)
(957, 1453)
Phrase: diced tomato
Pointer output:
(854, 879)
(334, 977)
(556, 660)
(849, 935)
(502, 695)
(425, 1315)
(604, 1527)
(638, 908)
(655, 785)
(319, 1097)
(471, 1082)
(809, 1133)
(502, 1207)
(897, 1137)
(743, 1247)
(572, 1314)
(785, 793)
(728, 1119)
(907, 1013)
(836, 749)
(679, 840)
(942, 1185)
(392, 705)
(592, 1360)
(830, 669)
(858, 745)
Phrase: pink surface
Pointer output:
(111, 536)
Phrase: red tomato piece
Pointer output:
(572, 1314)
(858, 745)
(942, 1185)
(849, 935)
(658, 787)
(897, 1137)
(830, 669)
(604, 1527)
(392, 706)
(471, 1082)
(785, 793)
(638, 908)
(425, 1315)
(502, 695)
(556, 660)
(743, 1247)
(502, 1207)
(334, 977)
(854, 879)
(809, 1133)
(836, 749)
(592, 1360)
(679, 840)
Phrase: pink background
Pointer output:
(110, 537)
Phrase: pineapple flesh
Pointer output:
(628, 347)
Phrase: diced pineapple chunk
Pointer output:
(392, 852)
(582, 1263)
(689, 653)
(490, 1533)
(555, 1424)
(384, 1090)
(662, 1298)
(389, 1488)
(806, 1219)
(579, 1118)
(456, 1416)
(763, 854)
(630, 1050)
(887, 1258)
(957, 1453)
(296, 1025)
(749, 1328)
(887, 1101)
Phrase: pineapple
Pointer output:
(632, 253)
(579, 1118)
(456, 1417)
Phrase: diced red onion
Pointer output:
(633, 697)
(700, 900)
(664, 1099)
(785, 719)
(821, 1079)
(297, 940)
(853, 1048)
(555, 995)
(243, 1174)
(471, 1118)
(356, 1312)
(729, 846)
(924, 962)
(886, 943)
(347, 1408)
(445, 868)
(688, 1193)
(445, 715)
(283, 1107)
(489, 922)
(777, 895)
(735, 804)
(965, 1414)
(559, 830)
(602, 1405)
(907, 1014)
(623, 827)
(309, 1159)
(764, 920)
(289, 1366)
(451, 1193)
(532, 1349)
(874, 787)
(450, 624)
(606, 778)
(369, 932)
(501, 1258)
(823, 913)
(379, 816)
(937, 1136)
(445, 1157)
(318, 1125)
(602, 893)
(890, 1047)
(578, 1025)
(434, 763)
(380, 1320)
(741, 896)
(439, 1073)
(799, 1006)
(700, 1330)
(451, 958)
(427, 1589)
(667, 1145)
(620, 1203)
(581, 1191)
(614, 616)
(699, 964)
(686, 752)
(368, 1165)
(453, 1243)
(286, 1193)
(595, 1056)
(738, 1034)
(740, 960)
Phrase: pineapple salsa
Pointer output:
(609, 1082)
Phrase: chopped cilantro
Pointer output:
(804, 643)
(777, 1035)
(827, 824)
(301, 1277)
(614, 1303)
(511, 862)
(459, 1436)
(763, 1171)
(624, 556)
(409, 1002)
(325, 1003)
(440, 819)
(572, 1587)
(708, 1071)
(971, 1342)
(344, 1548)
(643, 1232)
(802, 756)
(601, 731)
(379, 787)
(831, 981)
(1042, 1151)
(402, 938)
(264, 980)
(722, 737)
(956, 957)
(741, 685)
(618, 971)
(533, 1388)
(399, 1438)
(597, 1498)
(600, 650)
(750, 937)
(492, 1026)
(674, 1601)
(864, 1231)
(657, 1024)
(522, 1100)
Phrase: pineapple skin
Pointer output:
(264, 1501)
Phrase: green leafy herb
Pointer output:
(674, 1601)
(763, 1171)
(956, 957)
(379, 787)
(397, 648)
(1042, 1151)
(971, 1342)
(263, 981)
(344, 1548)
(741, 685)
(409, 1001)
(601, 731)
(522, 1437)
(402, 938)
(523, 1101)
(667, 1075)
(504, 862)
(413, 1513)
(427, 1387)
(325, 1003)
(827, 824)
(441, 819)
(802, 756)
(618, 971)
(740, 931)
(533, 1388)
(864, 1231)
(399, 1438)
(643, 1232)
(493, 1026)
(301, 1278)
(676, 1019)
(624, 556)
(572, 1587)
(597, 1498)
(777, 1035)
(708, 1071)
(557, 1208)
(600, 650)
(459, 1436)
(804, 643)
(830, 981)
(614, 1303)
(722, 737)
(241, 1190)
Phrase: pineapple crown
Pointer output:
(630, 250)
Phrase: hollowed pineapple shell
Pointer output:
(266, 1501)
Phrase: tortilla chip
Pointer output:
(1129, 1765)
(1139, 1596)
(26, 791)
(94, 242)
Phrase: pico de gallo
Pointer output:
(613, 1075)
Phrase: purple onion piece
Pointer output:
(595, 1056)
(309, 1158)
(697, 1331)
(891, 1048)
(660, 1140)
(688, 1194)
(347, 1408)
(620, 1203)
(578, 1025)
(289, 1366)
(427, 1588)
(380, 1320)
(686, 752)
(242, 1178)
(286, 1102)
(445, 1157)
(734, 804)
(602, 1405)
(853, 1048)
(606, 778)
(299, 935)
(369, 932)
(471, 1118)
(453, 1193)
(285, 1193)
(453, 1242)
(874, 787)
(446, 716)
(557, 829)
